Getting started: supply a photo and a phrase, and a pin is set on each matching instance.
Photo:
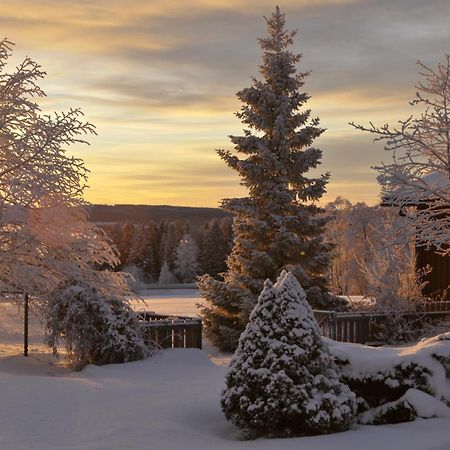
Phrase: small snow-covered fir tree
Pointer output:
(186, 260)
(282, 379)
(166, 276)
(278, 226)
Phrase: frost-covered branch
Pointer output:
(417, 180)
(44, 233)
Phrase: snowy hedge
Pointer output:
(282, 379)
(95, 329)
(397, 384)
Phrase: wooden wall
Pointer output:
(439, 278)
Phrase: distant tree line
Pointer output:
(364, 245)
(172, 252)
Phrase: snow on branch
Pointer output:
(417, 179)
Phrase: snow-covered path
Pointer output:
(167, 402)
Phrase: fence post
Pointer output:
(333, 325)
(199, 334)
(25, 325)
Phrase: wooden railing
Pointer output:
(435, 306)
(172, 331)
(357, 327)
(364, 327)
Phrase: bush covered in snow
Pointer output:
(96, 329)
(397, 384)
(282, 379)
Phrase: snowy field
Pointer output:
(180, 302)
(11, 331)
(167, 402)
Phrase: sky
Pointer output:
(158, 79)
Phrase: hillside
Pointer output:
(144, 213)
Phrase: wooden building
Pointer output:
(438, 280)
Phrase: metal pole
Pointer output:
(25, 325)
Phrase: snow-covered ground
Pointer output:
(169, 401)
(181, 302)
(11, 330)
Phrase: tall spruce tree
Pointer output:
(277, 226)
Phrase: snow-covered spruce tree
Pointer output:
(96, 328)
(166, 276)
(277, 226)
(417, 180)
(186, 260)
(282, 379)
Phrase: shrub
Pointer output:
(388, 381)
(97, 329)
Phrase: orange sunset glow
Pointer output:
(158, 79)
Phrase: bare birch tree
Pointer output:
(417, 180)
(45, 237)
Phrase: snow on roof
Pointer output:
(418, 191)
(436, 180)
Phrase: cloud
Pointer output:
(159, 77)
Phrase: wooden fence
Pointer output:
(172, 332)
(364, 327)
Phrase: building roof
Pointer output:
(419, 192)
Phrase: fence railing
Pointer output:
(435, 306)
(364, 327)
(172, 332)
